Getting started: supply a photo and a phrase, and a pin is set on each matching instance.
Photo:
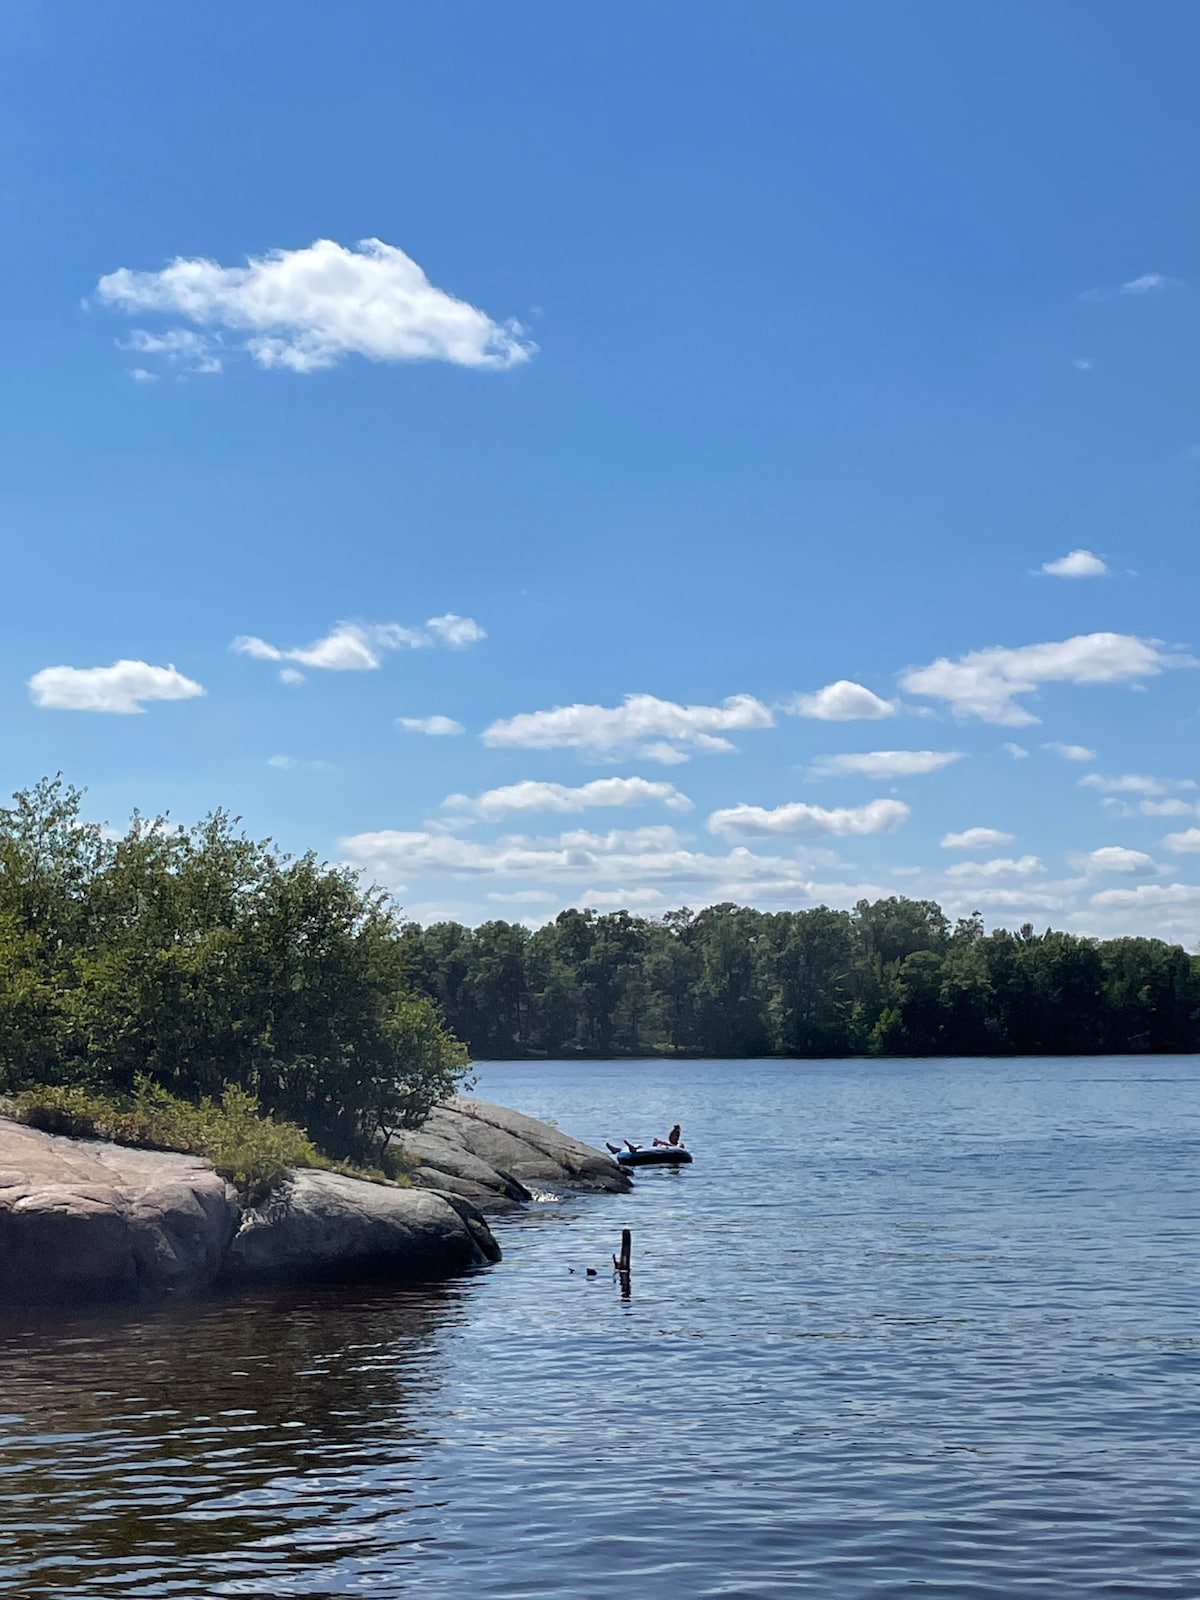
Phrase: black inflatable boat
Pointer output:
(660, 1156)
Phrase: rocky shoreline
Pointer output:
(84, 1220)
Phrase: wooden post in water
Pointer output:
(621, 1263)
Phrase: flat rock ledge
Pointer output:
(83, 1220)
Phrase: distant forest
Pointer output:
(891, 977)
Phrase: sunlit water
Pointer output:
(921, 1328)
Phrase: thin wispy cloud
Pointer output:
(123, 689)
(1140, 783)
(990, 683)
(362, 646)
(179, 348)
(1070, 752)
(296, 764)
(436, 727)
(1146, 283)
(309, 309)
(884, 763)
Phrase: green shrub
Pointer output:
(252, 1150)
(199, 957)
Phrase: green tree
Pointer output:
(198, 959)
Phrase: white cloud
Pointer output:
(667, 755)
(521, 897)
(120, 688)
(843, 701)
(1001, 867)
(761, 822)
(310, 308)
(884, 763)
(531, 795)
(1083, 364)
(514, 854)
(1024, 902)
(294, 764)
(1116, 858)
(1135, 783)
(291, 677)
(659, 730)
(1150, 895)
(1167, 808)
(1017, 751)
(454, 631)
(976, 839)
(986, 683)
(179, 347)
(1118, 808)
(1071, 752)
(635, 899)
(140, 375)
(584, 867)
(1185, 842)
(436, 727)
(361, 646)
(1147, 283)
(1076, 564)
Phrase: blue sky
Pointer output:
(706, 355)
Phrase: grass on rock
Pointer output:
(249, 1148)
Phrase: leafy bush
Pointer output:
(253, 1151)
(196, 958)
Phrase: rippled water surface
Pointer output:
(921, 1328)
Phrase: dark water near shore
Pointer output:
(918, 1328)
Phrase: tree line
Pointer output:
(891, 977)
(198, 960)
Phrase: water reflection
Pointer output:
(920, 1327)
(221, 1437)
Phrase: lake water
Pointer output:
(915, 1328)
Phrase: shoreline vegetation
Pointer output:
(889, 978)
(233, 1134)
(195, 990)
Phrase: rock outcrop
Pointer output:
(495, 1157)
(81, 1219)
(322, 1224)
